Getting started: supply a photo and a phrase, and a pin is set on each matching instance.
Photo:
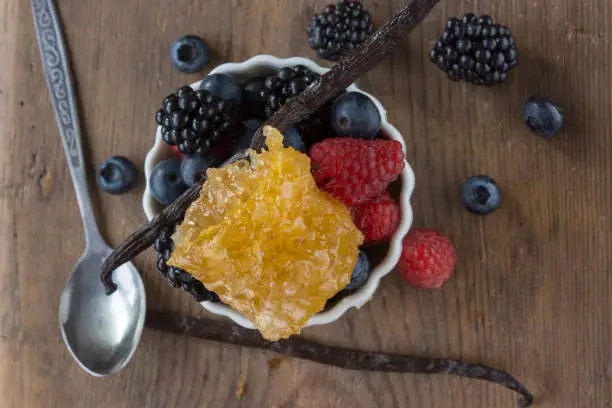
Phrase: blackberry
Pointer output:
(177, 277)
(476, 50)
(195, 120)
(339, 29)
(290, 82)
(286, 83)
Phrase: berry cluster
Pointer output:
(475, 49)
(347, 143)
(195, 120)
(339, 29)
(286, 83)
(358, 173)
(274, 90)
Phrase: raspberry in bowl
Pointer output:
(357, 171)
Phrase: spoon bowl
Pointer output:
(100, 331)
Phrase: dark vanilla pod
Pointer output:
(350, 359)
(177, 277)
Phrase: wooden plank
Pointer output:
(531, 289)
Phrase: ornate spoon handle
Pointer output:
(59, 81)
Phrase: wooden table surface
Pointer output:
(531, 291)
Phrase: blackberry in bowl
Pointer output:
(177, 277)
(475, 50)
(286, 83)
(194, 120)
(382, 258)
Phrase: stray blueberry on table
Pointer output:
(481, 195)
(166, 182)
(117, 175)
(543, 117)
(190, 54)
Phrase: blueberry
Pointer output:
(355, 115)
(193, 168)
(543, 117)
(361, 273)
(117, 175)
(243, 141)
(166, 183)
(222, 86)
(190, 54)
(481, 195)
(294, 139)
(254, 103)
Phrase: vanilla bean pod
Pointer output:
(296, 346)
(298, 108)
(144, 237)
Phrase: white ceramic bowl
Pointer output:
(265, 65)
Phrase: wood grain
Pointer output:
(531, 291)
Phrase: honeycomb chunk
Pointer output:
(267, 241)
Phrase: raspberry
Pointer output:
(427, 260)
(355, 170)
(377, 219)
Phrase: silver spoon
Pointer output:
(100, 331)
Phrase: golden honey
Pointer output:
(267, 241)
